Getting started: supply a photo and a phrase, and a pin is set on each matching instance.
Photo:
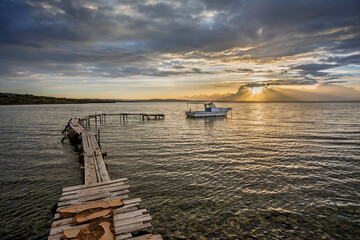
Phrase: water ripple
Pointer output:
(273, 170)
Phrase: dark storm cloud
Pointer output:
(317, 69)
(126, 38)
(314, 69)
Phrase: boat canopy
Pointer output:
(202, 103)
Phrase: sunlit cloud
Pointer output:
(182, 48)
(256, 90)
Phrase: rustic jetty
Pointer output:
(101, 208)
(101, 118)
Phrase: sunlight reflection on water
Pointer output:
(272, 170)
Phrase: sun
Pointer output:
(256, 90)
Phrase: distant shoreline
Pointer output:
(29, 99)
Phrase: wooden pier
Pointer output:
(101, 118)
(99, 209)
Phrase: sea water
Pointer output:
(267, 171)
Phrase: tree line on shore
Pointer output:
(19, 99)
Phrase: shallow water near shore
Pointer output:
(268, 171)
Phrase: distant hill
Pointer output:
(19, 99)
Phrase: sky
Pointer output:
(237, 50)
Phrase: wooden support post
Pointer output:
(98, 137)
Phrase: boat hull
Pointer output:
(201, 114)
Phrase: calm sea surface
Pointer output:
(269, 171)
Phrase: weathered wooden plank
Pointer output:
(97, 173)
(90, 172)
(102, 168)
(130, 201)
(119, 193)
(67, 221)
(58, 230)
(113, 203)
(113, 188)
(123, 236)
(133, 220)
(62, 205)
(129, 214)
(54, 237)
(131, 228)
(85, 143)
(126, 209)
(130, 205)
(61, 222)
(94, 143)
(90, 149)
(147, 237)
(56, 216)
(112, 191)
(73, 190)
(96, 197)
(64, 222)
(84, 193)
(106, 213)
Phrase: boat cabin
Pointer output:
(210, 107)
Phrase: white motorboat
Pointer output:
(210, 111)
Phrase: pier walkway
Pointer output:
(99, 209)
(101, 118)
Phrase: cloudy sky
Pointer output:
(136, 49)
